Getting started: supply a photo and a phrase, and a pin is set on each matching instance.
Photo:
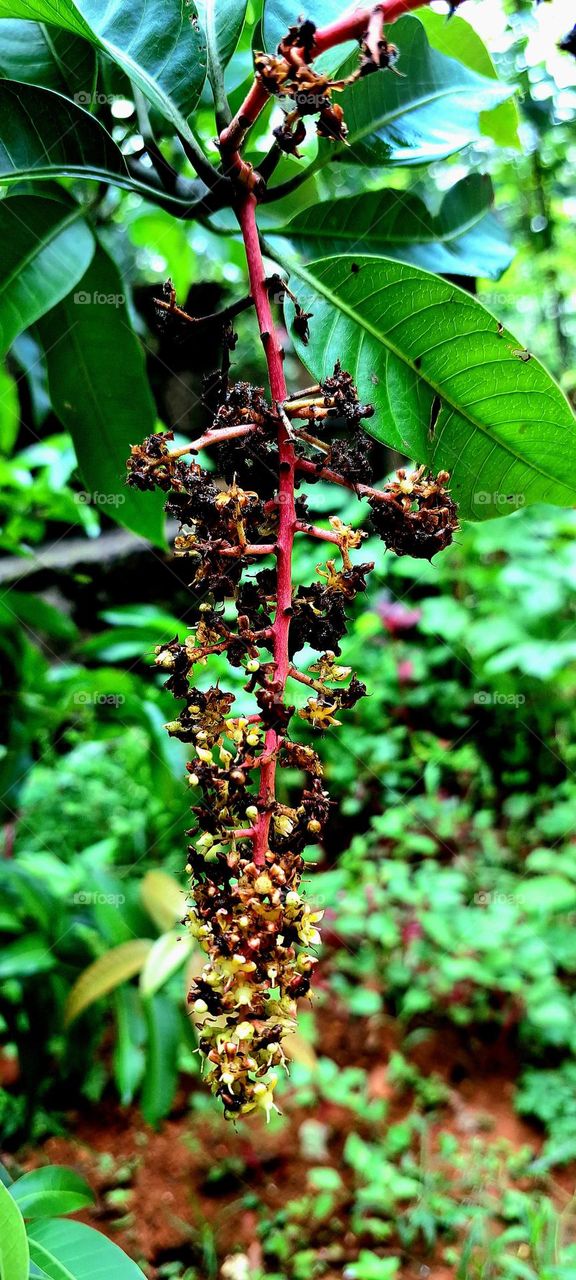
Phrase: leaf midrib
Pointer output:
(287, 232)
(353, 315)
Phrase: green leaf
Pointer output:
(43, 136)
(48, 1192)
(430, 113)
(9, 411)
(104, 974)
(222, 21)
(280, 15)
(48, 56)
(47, 248)
(39, 615)
(163, 898)
(100, 392)
(163, 1021)
(450, 388)
(464, 238)
(160, 47)
(14, 1252)
(169, 952)
(457, 39)
(73, 1251)
(25, 957)
(541, 894)
(129, 1061)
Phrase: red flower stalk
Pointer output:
(245, 859)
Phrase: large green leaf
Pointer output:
(450, 387)
(100, 392)
(48, 246)
(430, 112)
(14, 1253)
(48, 56)
(159, 46)
(222, 21)
(52, 1190)
(458, 39)
(463, 238)
(44, 136)
(73, 1251)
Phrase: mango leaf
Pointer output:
(48, 56)
(457, 39)
(43, 136)
(73, 1251)
(128, 1057)
(222, 21)
(163, 1021)
(106, 973)
(163, 898)
(14, 1252)
(280, 15)
(463, 238)
(430, 113)
(25, 957)
(48, 246)
(451, 388)
(168, 953)
(48, 1192)
(160, 47)
(9, 411)
(100, 392)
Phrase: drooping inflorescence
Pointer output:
(247, 911)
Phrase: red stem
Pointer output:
(353, 28)
(326, 473)
(287, 513)
(354, 25)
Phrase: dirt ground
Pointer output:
(196, 1189)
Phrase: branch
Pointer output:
(326, 473)
(167, 176)
(287, 512)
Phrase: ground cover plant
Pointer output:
(249, 279)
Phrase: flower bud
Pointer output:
(164, 658)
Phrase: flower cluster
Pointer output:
(417, 516)
(302, 90)
(246, 847)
